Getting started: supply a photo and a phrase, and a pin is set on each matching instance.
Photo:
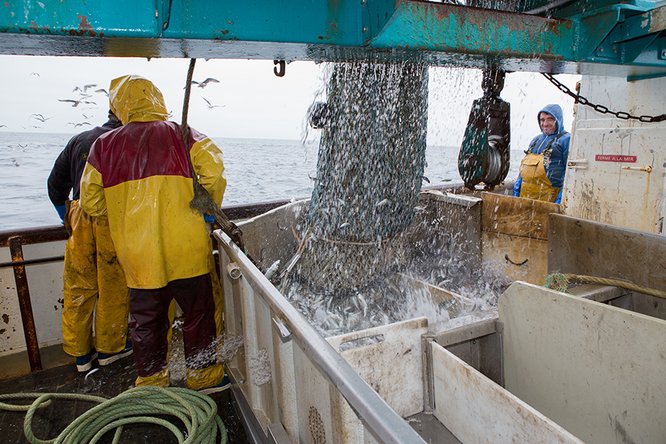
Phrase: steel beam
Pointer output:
(335, 30)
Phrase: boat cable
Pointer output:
(139, 405)
(560, 282)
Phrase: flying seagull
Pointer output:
(205, 82)
(85, 87)
(102, 90)
(77, 124)
(40, 117)
(75, 103)
(210, 105)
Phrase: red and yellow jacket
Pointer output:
(138, 175)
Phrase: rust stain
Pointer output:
(5, 317)
(442, 13)
(84, 24)
(480, 22)
(552, 27)
(2, 331)
(35, 28)
(85, 28)
(6, 4)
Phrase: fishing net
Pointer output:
(369, 173)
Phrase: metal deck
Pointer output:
(108, 381)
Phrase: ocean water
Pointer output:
(256, 170)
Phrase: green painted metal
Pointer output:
(90, 18)
(595, 31)
(423, 26)
(625, 36)
(297, 21)
(302, 21)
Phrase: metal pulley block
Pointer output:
(484, 155)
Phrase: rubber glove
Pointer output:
(516, 187)
(61, 209)
(208, 218)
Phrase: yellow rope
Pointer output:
(560, 282)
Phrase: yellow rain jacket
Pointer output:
(140, 177)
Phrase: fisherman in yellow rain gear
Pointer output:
(543, 167)
(94, 282)
(140, 177)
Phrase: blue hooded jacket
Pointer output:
(556, 168)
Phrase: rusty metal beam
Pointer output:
(25, 305)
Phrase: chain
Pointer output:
(601, 108)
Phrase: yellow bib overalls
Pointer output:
(536, 184)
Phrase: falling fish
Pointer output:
(364, 304)
(272, 269)
(382, 203)
(94, 370)
(292, 262)
(343, 225)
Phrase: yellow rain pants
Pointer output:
(94, 288)
(536, 184)
(218, 298)
(197, 379)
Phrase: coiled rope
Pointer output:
(196, 411)
(560, 282)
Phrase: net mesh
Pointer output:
(369, 173)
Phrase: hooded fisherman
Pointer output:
(542, 169)
(94, 282)
(140, 177)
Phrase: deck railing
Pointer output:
(255, 309)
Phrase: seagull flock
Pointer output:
(84, 97)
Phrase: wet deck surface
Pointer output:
(108, 381)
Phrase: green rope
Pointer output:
(196, 411)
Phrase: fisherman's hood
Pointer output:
(136, 99)
(554, 110)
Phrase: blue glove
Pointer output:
(559, 197)
(516, 187)
(208, 218)
(61, 209)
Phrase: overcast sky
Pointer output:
(257, 104)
